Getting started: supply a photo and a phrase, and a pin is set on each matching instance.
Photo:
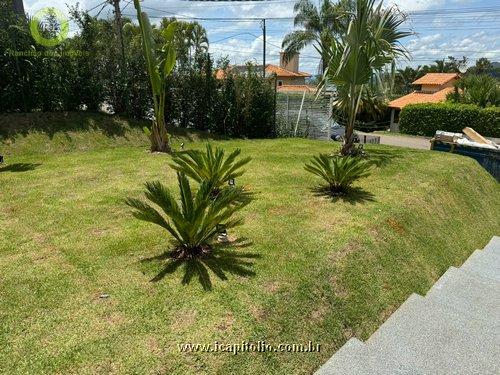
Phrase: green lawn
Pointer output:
(308, 268)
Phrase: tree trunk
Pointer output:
(348, 146)
(159, 138)
(159, 134)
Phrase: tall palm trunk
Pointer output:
(355, 92)
(159, 134)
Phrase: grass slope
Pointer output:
(61, 132)
(323, 270)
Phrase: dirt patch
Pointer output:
(39, 238)
(338, 288)
(258, 312)
(318, 315)
(279, 210)
(226, 323)
(347, 332)
(98, 232)
(272, 286)
(184, 320)
(386, 313)
(154, 346)
(396, 225)
(338, 255)
(114, 318)
(106, 367)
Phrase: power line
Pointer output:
(97, 6)
(219, 4)
(98, 13)
(454, 10)
(232, 37)
(126, 5)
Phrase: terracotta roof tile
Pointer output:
(436, 78)
(296, 88)
(270, 69)
(420, 97)
(280, 72)
(220, 74)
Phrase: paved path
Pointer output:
(454, 329)
(422, 143)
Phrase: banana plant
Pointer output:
(160, 65)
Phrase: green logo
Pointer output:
(35, 26)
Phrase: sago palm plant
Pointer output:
(197, 219)
(339, 172)
(210, 166)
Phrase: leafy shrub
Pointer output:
(339, 172)
(482, 90)
(210, 166)
(425, 119)
(63, 79)
(197, 219)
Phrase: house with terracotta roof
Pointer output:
(287, 74)
(431, 88)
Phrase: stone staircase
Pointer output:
(454, 329)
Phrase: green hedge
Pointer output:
(425, 119)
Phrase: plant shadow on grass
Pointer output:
(224, 259)
(353, 195)
(19, 167)
(381, 158)
(112, 126)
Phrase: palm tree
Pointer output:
(370, 42)
(319, 26)
(199, 39)
(483, 66)
(407, 76)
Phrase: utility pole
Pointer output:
(264, 48)
(123, 101)
(119, 27)
(19, 7)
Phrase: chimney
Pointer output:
(292, 64)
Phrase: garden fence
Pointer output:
(299, 114)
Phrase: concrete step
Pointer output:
(493, 246)
(490, 256)
(354, 358)
(455, 329)
(477, 297)
(480, 263)
(432, 339)
(460, 272)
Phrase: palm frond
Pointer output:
(211, 165)
(339, 172)
(199, 216)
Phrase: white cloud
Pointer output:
(411, 5)
(435, 38)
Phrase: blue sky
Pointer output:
(442, 27)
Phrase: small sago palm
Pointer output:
(196, 220)
(210, 166)
(339, 172)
